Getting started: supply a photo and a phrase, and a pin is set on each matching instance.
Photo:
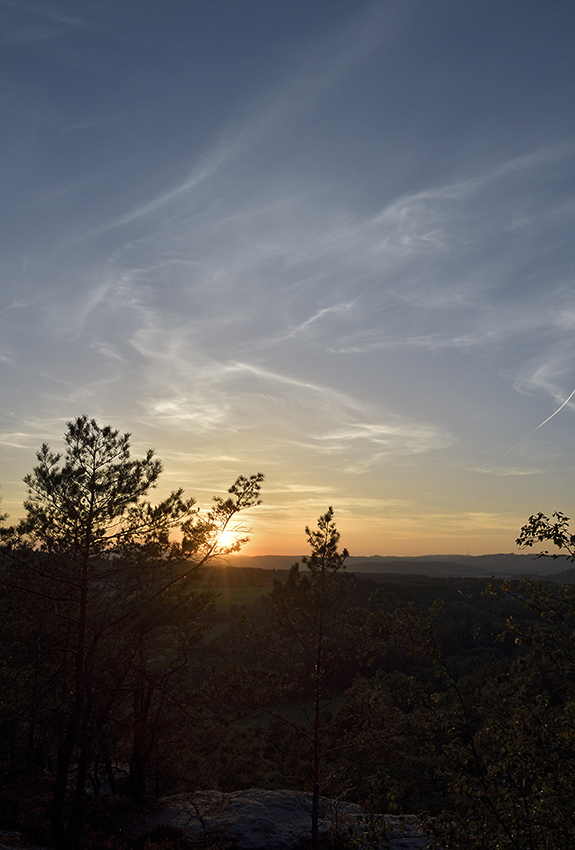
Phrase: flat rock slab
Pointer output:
(267, 820)
(12, 840)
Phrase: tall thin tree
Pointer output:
(88, 523)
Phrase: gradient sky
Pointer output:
(331, 241)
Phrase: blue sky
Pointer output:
(331, 241)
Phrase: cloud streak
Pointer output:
(541, 424)
(315, 254)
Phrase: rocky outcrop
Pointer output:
(257, 820)
(270, 820)
(10, 839)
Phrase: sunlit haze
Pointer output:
(330, 241)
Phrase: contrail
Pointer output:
(541, 424)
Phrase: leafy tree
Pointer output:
(496, 748)
(554, 529)
(314, 633)
(113, 574)
(521, 790)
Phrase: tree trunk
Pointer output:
(78, 720)
(138, 771)
(63, 762)
(141, 699)
(110, 775)
(316, 779)
(75, 826)
(316, 748)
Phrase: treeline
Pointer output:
(448, 698)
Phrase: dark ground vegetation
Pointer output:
(122, 680)
(462, 710)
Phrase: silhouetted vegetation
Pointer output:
(101, 610)
(125, 677)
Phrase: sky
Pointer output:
(330, 241)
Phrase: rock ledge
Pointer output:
(257, 819)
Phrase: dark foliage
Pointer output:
(451, 698)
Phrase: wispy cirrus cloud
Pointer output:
(275, 408)
(36, 22)
(310, 251)
(206, 292)
(267, 115)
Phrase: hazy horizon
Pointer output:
(330, 242)
(432, 556)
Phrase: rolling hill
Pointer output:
(501, 564)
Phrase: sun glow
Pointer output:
(227, 538)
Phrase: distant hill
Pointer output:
(425, 568)
(430, 565)
(458, 565)
(565, 577)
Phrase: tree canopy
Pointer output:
(111, 571)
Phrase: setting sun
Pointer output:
(228, 537)
(262, 266)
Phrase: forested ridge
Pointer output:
(135, 664)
